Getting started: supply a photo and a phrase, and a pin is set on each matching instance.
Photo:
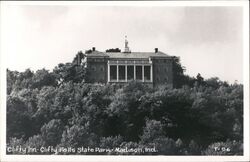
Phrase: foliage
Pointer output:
(36, 142)
(79, 58)
(77, 136)
(179, 78)
(153, 130)
(59, 109)
(18, 119)
(111, 142)
(113, 50)
(69, 72)
(52, 132)
(164, 146)
(15, 143)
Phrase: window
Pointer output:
(113, 72)
(130, 72)
(121, 72)
(147, 73)
(138, 72)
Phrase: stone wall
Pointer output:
(162, 71)
(97, 70)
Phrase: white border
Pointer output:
(132, 3)
(244, 4)
(246, 78)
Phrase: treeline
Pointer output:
(59, 109)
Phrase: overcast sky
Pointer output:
(208, 40)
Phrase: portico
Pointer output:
(129, 70)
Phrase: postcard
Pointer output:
(125, 81)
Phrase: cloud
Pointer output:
(209, 24)
(208, 39)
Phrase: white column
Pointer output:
(142, 73)
(126, 73)
(151, 73)
(117, 73)
(134, 72)
(108, 72)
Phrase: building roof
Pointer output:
(97, 54)
(127, 55)
(136, 54)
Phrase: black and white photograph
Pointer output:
(128, 79)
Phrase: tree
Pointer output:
(180, 148)
(52, 132)
(113, 50)
(22, 80)
(214, 83)
(45, 106)
(154, 136)
(29, 97)
(164, 146)
(78, 136)
(43, 78)
(125, 110)
(199, 79)
(69, 72)
(74, 71)
(79, 58)
(18, 119)
(111, 142)
(152, 130)
(194, 148)
(131, 145)
(12, 76)
(15, 143)
(179, 78)
(88, 51)
(36, 142)
(74, 113)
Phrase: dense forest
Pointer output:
(58, 109)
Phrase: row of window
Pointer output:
(132, 74)
(158, 69)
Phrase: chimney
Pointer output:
(93, 49)
(156, 50)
